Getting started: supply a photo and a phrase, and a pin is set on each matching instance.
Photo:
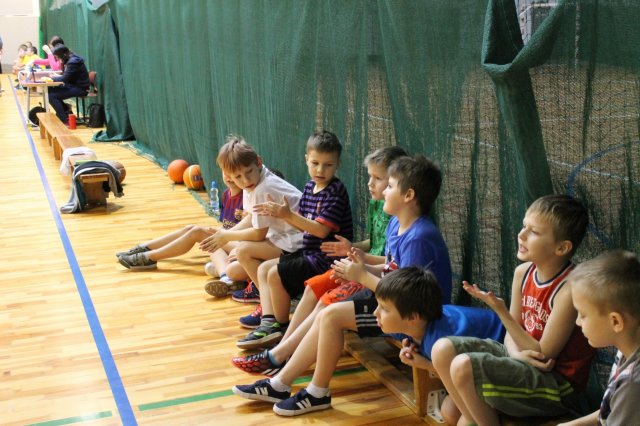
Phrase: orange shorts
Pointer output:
(328, 290)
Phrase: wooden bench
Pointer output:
(51, 128)
(63, 142)
(415, 393)
(92, 185)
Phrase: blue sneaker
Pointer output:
(260, 391)
(253, 319)
(301, 403)
(248, 294)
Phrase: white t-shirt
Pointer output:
(281, 234)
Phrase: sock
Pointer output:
(315, 391)
(272, 359)
(278, 385)
(284, 325)
(267, 320)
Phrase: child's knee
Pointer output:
(442, 352)
(461, 370)
(449, 411)
(309, 294)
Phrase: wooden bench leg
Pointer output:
(93, 189)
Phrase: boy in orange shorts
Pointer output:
(323, 290)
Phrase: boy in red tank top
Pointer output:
(545, 359)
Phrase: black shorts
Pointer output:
(294, 269)
(365, 319)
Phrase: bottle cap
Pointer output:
(213, 184)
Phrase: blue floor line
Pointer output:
(113, 376)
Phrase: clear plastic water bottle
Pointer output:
(214, 200)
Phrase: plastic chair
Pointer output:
(93, 92)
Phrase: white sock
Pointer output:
(278, 385)
(316, 391)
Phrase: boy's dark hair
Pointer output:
(420, 174)
(33, 50)
(412, 290)
(55, 40)
(62, 52)
(235, 154)
(612, 280)
(324, 141)
(568, 217)
(384, 156)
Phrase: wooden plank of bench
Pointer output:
(51, 127)
(423, 382)
(42, 118)
(62, 142)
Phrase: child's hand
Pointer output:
(214, 242)
(536, 359)
(232, 256)
(349, 269)
(273, 209)
(408, 352)
(338, 248)
(488, 297)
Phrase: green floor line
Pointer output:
(225, 393)
(76, 419)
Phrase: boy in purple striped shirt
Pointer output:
(324, 211)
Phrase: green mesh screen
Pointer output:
(514, 99)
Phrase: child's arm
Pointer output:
(588, 420)
(283, 211)
(241, 231)
(557, 331)
(409, 355)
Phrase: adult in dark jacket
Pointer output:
(75, 78)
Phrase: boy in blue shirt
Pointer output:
(410, 308)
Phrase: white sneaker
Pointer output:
(210, 270)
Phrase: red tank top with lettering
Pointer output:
(574, 360)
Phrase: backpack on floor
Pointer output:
(32, 114)
(96, 115)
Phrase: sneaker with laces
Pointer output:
(137, 262)
(223, 286)
(265, 336)
(300, 403)
(253, 319)
(133, 250)
(260, 391)
(257, 364)
(249, 294)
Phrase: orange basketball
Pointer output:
(192, 177)
(119, 167)
(176, 170)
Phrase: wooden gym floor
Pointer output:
(85, 341)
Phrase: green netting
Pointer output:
(507, 121)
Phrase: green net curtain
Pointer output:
(507, 120)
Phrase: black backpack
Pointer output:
(96, 115)
(32, 114)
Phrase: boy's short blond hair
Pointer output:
(235, 154)
(568, 217)
(612, 280)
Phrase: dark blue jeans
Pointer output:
(58, 94)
